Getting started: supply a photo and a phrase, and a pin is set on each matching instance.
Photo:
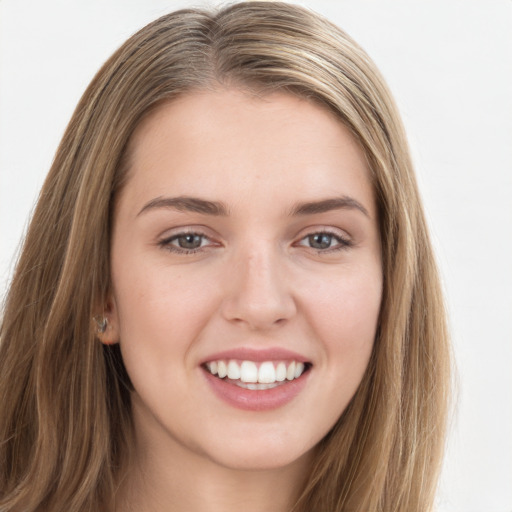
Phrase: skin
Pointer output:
(258, 280)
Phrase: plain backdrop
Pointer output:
(449, 65)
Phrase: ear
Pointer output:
(106, 324)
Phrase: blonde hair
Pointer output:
(65, 399)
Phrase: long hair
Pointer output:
(65, 421)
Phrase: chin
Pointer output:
(259, 452)
(261, 460)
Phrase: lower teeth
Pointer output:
(254, 386)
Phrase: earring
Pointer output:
(101, 324)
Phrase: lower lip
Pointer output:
(256, 400)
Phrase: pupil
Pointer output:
(190, 241)
(320, 241)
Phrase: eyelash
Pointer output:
(166, 243)
(343, 243)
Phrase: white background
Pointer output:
(449, 64)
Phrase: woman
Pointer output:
(227, 294)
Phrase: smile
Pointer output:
(256, 375)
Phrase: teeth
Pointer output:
(233, 370)
(248, 372)
(222, 369)
(267, 373)
(256, 386)
(290, 373)
(253, 377)
(281, 372)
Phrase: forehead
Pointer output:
(229, 142)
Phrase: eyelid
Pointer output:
(165, 241)
(344, 240)
(196, 229)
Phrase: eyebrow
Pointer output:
(326, 205)
(216, 208)
(186, 204)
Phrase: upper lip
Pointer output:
(257, 355)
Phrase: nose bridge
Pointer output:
(260, 295)
(259, 263)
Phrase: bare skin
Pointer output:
(199, 486)
(247, 227)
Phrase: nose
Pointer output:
(258, 295)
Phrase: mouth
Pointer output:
(257, 379)
(256, 375)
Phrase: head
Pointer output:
(76, 389)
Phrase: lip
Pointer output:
(256, 400)
(257, 355)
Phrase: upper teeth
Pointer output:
(268, 372)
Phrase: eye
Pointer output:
(325, 241)
(188, 241)
(185, 243)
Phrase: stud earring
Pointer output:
(101, 324)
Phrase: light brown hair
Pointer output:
(64, 397)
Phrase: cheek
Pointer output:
(160, 312)
(348, 300)
(344, 315)
(161, 317)
(344, 311)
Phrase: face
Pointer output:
(246, 277)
